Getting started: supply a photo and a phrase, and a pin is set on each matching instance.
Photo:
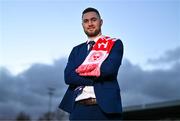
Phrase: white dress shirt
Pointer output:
(88, 91)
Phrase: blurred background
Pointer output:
(36, 37)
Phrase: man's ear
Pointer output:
(82, 24)
(101, 22)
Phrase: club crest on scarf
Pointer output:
(95, 56)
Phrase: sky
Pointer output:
(43, 30)
(36, 37)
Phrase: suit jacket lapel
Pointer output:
(82, 53)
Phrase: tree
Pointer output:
(22, 116)
(48, 116)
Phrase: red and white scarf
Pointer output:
(100, 51)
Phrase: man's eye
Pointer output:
(94, 19)
(85, 21)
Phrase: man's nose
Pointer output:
(90, 23)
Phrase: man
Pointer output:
(93, 92)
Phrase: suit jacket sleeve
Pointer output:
(110, 66)
(71, 77)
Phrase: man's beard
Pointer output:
(93, 34)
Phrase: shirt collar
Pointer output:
(95, 40)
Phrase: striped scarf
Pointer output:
(100, 51)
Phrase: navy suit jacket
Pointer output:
(106, 86)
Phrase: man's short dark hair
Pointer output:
(91, 10)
